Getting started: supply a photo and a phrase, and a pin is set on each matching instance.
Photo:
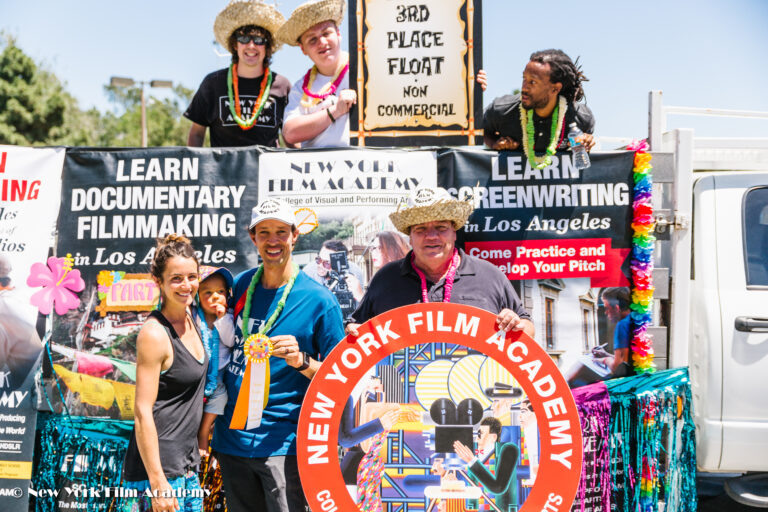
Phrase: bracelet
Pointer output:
(328, 111)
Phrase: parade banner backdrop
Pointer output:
(413, 68)
(408, 437)
(563, 236)
(29, 201)
(115, 205)
(343, 200)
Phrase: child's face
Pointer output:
(213, 291)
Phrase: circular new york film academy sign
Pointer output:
(410, 403)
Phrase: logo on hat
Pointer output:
(424, 196)
(269, 206)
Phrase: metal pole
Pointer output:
(143, 118)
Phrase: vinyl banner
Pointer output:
(343, 200)
(563, 236)
(115, 204)
(29, 200)
(414, 66)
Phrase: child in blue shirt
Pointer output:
(217, 329)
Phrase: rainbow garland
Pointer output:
(643, 240)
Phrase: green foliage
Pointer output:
(35, 109)
(32, 101)
(323, 232)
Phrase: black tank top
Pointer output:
(177, 412)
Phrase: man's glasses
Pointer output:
(321, 261)
(257, 40)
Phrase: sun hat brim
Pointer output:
(308, 15)
(240, 13)
(452, 210)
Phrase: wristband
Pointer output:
(328, 111)
(304, 363)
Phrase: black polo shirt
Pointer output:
(503, 116)
(477, 283)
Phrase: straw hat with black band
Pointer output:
(431, 204)
(240, 13)
(308, 15)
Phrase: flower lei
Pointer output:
(234, 97)
(310, 99)
(280, 304)
(211, 342)
(449, 277)
(529, 137)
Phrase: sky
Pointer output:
(706, 53)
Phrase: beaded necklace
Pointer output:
(280, 304)
(449, 277)
(234, 97)
(529, 137)
(310, 99)
(211, 342)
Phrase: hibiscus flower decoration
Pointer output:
(59, 281)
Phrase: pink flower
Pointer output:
(58, 281)
(640, 145)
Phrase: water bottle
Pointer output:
(579, 152)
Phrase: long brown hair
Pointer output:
(393, 246)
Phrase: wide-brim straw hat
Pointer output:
(431, 204)
(240, 13)
(308, 15)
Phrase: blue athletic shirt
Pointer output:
(622, 335)
(313, 316)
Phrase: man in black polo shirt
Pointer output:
(436, 271)
(551, 93)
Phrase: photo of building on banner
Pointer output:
(414, 66)
(29, 201)
(563, 237)
(343, 200)
(115, 205)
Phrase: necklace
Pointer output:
(310, 99)
(280, 304)
(449, 277)
(529, 137)
(211, 342)
(234, 97)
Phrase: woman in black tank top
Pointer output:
(171, 364)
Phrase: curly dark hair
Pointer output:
(251, 30)
(170, 246)
(564, 71)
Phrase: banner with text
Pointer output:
(30, 188)
(414, 69)
(563, 236)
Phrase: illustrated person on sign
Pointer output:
(20, 345)
(317, 115)
(243, 104)
(301, 322)
(171, 364)
(436, 271)
(334, 270)
(218, 331)
(537, 119)
(505, 455)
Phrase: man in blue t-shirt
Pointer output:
(259, 469)
(616, 302)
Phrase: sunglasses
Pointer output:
(257, 40)
(321, 261)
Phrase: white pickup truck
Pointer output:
(711, 282)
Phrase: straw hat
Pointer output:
(308, 15)
(240, 13)
(429, 205)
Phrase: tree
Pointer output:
(32, 100)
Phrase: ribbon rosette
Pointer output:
(254, 390)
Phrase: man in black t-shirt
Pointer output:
(247, 30)
(551, 87)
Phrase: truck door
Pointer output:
(741, 231)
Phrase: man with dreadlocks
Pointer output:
(537, 119)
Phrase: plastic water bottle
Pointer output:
(579, 152)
